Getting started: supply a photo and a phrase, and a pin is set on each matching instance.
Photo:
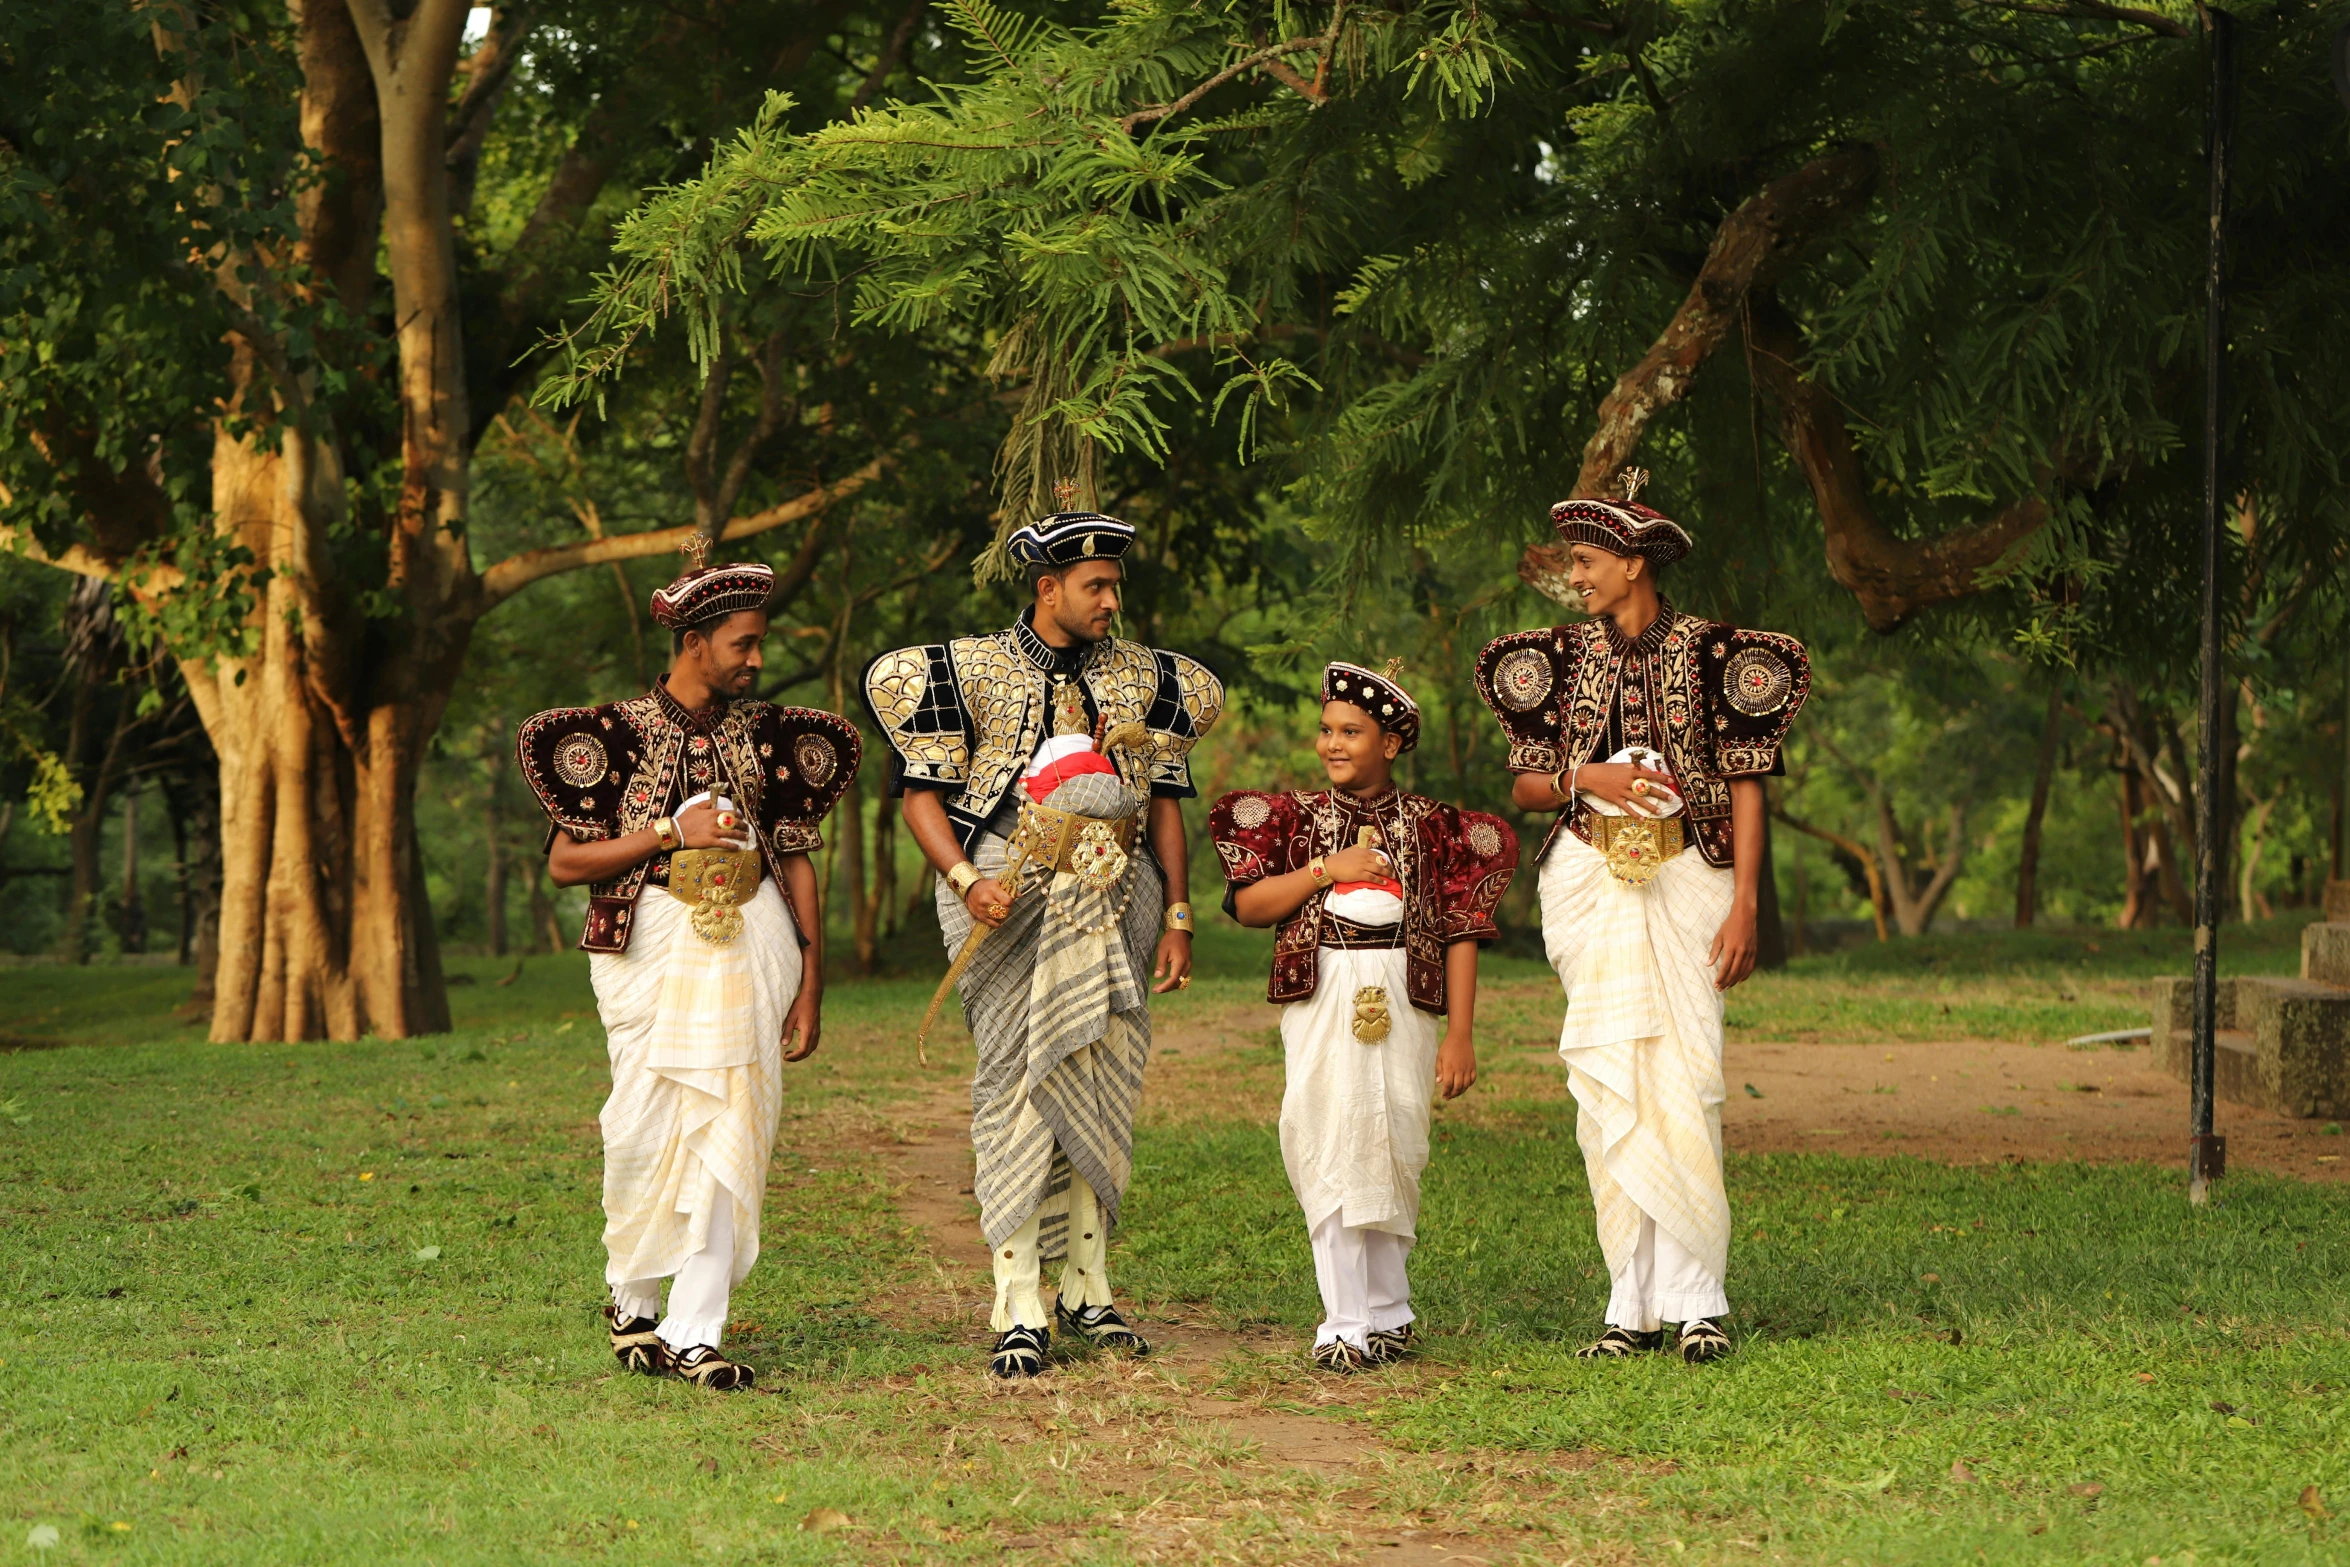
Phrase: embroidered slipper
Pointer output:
(1390, 1345)
(1020, 1352)
(1101, 1327)
(705, 1367)
(1340, 1357)
(1703, 1341)
(634, 1343)
(1622, 1344)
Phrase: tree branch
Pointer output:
(893, 49)
(1892, 577)
(1860, 853)
(2095, 10)
(1753, 246)
(516, 572)
(1315, 91)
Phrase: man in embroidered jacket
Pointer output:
(699, 999)
(1646, 940)
(1381, 899)
(1053, 715)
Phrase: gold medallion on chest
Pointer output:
(1371, 1021)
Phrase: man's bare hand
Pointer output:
(697, 828)
(803, 1025)
(1456, 1065)
(1613, 781)
(1734, 948)
(988, 900)
(1173, 969)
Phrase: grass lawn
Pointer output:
(336, 1303)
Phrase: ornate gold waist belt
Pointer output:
(1636, 847)
(716, 883)
(1096, 848)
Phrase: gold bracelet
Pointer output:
(665, 830)
(1317, 870)
(963, 878)
(1179, 918)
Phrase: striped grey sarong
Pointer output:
(1058, 1007)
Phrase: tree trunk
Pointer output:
(2138, 909)
(132, 920)
(494, 861)
(1770, 932)
(850, 816)
(2027, 873)
(885, 865)
(1915, 906)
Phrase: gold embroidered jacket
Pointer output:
(604, 772)
(965, 716)
(1715, 699)
(1454, 865)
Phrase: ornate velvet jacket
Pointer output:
(1454, 866)
(964, 717)
(604, 772)
(1716, 700)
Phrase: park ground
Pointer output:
(337, 1303)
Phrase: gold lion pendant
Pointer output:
(1371, 1019)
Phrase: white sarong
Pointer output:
(695, 1034)
(1643, 1048)
(1354, 1117)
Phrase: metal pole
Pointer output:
(2207, 1152)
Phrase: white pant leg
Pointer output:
(1019, 1280)
(1663, 1281)
(638, 1298)
(698, 1296)
(1389, 1296)
(1085, 1278)
(1343, 1270)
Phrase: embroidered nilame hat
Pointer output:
(713, 591)
(1377, 694)
(1623, 527)
(1069, 538)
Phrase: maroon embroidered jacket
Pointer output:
(1716, 700)
(1454, 866)
(604, 772)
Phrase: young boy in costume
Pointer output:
(1380, 899)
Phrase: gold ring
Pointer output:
(1183, 982)
(726, 819)
(1640, 786)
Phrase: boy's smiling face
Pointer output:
(1355, 751)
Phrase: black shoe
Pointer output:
(1020, 1352)
(1340, 1357)
(1622, 1344)
(1101, 1327)
(634, 1343)
(1703, 1341)
(705, 1367)
(1390, 1345)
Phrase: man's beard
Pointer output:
(1083, 631)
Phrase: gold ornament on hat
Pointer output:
(696, 549)
(1064, 491)
(1394, 668)
(1632, 479)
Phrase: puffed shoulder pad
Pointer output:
(1253, 833)
(572, 758)
(1484, 858)
(810, 756)
(911, 693)
(1523, 677)
(1755, 682)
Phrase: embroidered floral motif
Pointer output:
(814, 754)
(580, 760)
(1522, 679)
(1251, 811)
(1484, 838)
(1757, 682)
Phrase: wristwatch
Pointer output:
(963, 878)
(666, 830)
(1179, 918)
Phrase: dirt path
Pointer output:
(932, 1165)
(1977, 1102)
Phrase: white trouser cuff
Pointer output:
(698, 1296)
(1085, 1278)
(638, 1298)
(1662, 1282)
(1019, 1281)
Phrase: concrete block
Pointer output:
(2284, 1044)
(2325, 953)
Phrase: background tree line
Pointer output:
(1894, 299)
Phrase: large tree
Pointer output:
(257, 308)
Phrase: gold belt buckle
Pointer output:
(1095, 848)
(715, 883)
(1636, 847)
